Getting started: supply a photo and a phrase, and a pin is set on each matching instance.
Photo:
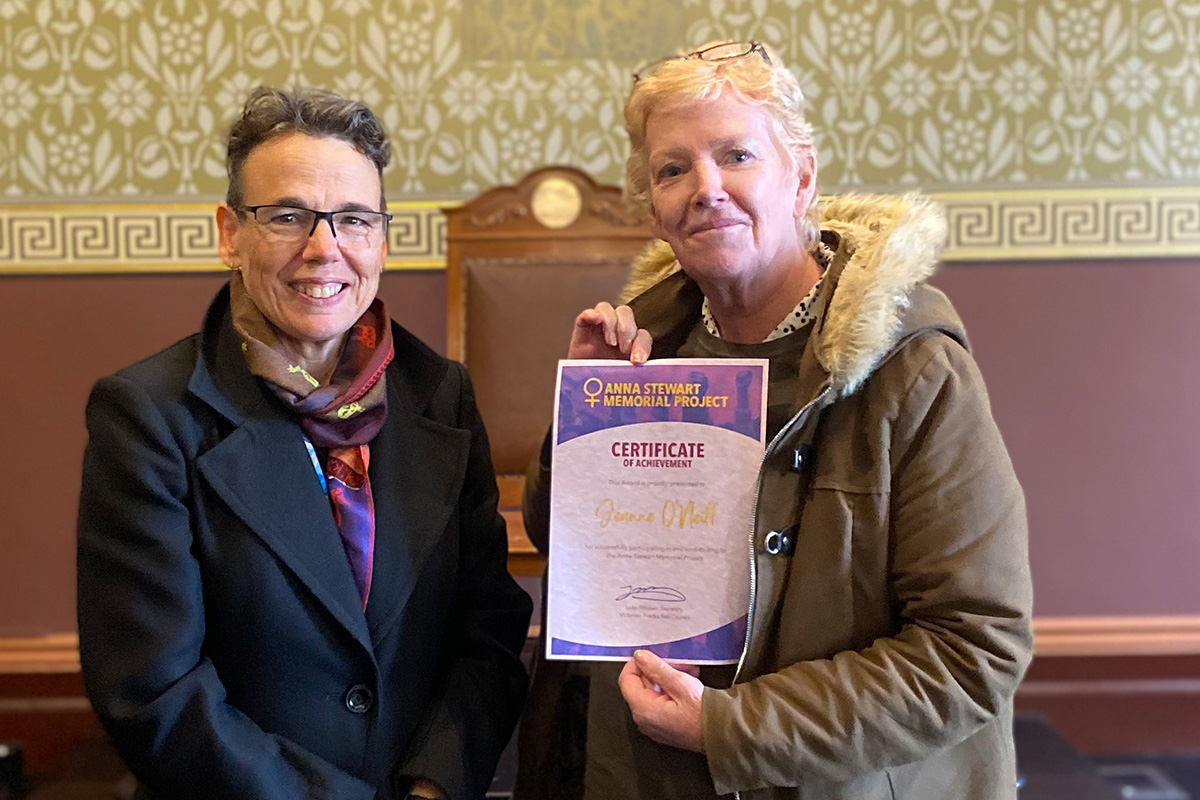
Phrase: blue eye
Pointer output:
(669, 171)
(740, 156)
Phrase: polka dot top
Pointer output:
(800, 316)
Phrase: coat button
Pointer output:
(359, 699)
(781, 543)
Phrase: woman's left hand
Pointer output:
(665, 701)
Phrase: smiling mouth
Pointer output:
(320, 291)
(715, 225)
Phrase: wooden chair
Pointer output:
(522, 262)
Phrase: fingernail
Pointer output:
(640, 656)
(638, 357)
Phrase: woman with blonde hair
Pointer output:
(889, 617)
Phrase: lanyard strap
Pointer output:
(316, 462)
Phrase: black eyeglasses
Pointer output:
(295, 224)
(718, 52)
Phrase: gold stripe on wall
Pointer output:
(1117, 636)
(1044, 225)
(1053, 636)
(54, 653)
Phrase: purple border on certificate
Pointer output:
(724, 642)
(595, 397)
(590, 397)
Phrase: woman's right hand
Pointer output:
(607, 332)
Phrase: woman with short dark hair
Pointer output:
(292, 572)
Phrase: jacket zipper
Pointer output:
(754, 522)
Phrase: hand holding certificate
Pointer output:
(651, 506)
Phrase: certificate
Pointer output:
(651, 508)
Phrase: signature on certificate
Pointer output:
(657, 594)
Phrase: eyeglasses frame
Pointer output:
(317, 216)
(751, 47)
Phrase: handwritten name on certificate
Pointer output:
(652, 497)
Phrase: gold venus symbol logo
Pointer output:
(592, 388)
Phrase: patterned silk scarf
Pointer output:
(342, 417)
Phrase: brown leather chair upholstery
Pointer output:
(522, 262)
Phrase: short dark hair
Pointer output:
(271, 112)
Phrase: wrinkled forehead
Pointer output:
(684, 101)
(300, 166)
(725, 116)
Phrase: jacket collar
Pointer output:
(220, 377)
(263, 472)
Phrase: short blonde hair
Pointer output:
(681, 81)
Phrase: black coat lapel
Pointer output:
(417, 469)
(263, 472)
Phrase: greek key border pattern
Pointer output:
(64, 239)
(1000, 226)
(1074, 224)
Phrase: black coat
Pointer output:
(223, 642)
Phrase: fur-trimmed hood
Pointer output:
(875, 293)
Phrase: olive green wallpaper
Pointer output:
(109, 108)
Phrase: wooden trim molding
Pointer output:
(1117, 703)
(43, 705)
(1108, 684)
(1117, 636)
(53, 654)
(1053, 637)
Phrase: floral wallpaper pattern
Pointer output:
(125, 99)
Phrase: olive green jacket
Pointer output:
(883, 653)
